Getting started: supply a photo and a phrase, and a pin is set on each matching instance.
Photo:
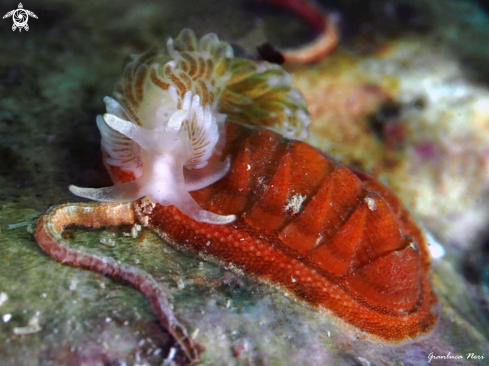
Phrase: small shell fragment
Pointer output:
(31, 328)
(3, 298)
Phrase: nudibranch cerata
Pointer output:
(185, 164)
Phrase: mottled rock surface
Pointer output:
(405, 97)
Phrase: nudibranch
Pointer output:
(163, 125)
(205, 150)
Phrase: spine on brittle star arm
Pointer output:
(49, 232)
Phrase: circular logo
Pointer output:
(20, 18)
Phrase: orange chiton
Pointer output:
(335, 238)
(271, 207)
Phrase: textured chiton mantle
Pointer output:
(247, 197)
(334, 239)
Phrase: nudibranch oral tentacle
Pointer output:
(166, 120)
(199, 178)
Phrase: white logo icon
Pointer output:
(20, 17)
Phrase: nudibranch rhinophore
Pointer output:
(178, 133)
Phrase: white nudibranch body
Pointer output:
(167, 118)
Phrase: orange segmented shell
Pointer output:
(335, 238)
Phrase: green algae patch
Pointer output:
(54, 314)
